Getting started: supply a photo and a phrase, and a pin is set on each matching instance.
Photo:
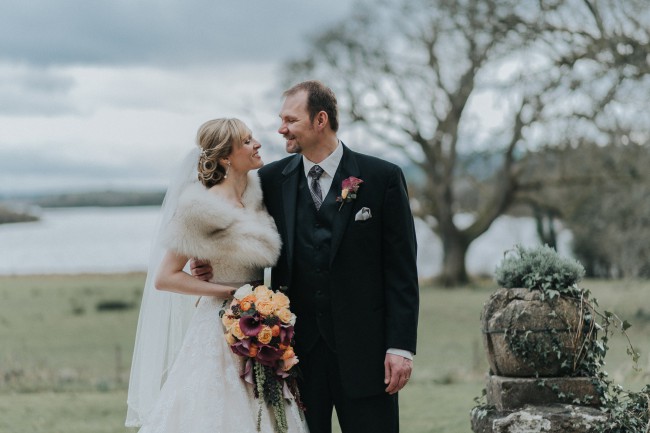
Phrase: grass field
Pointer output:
(64, 364)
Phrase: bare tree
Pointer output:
(602, 194)
(414, 74)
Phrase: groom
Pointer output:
(349, 265)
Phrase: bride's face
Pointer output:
(245, 157)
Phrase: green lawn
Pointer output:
(64, 364)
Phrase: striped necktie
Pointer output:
(314, 186)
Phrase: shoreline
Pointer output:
(75, 274)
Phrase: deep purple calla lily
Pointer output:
(286, 334)
(250, 325)
(247, 375)
(241, 347)
(268, 355)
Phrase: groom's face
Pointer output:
(296, 128)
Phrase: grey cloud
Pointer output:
(35, 92)
(169, 33)
(43, 171)
(48, 162)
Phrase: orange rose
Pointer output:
(280, 300)
(265, 335)
(289, 353)
(266, 308)
(289, 362)
(275, 330)
(252, 351)
(230, 339)
(245, 305)
(237, 332)
(249, 298)
(228, 319)
(262, 293)
(285, 315)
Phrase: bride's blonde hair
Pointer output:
(216, 139)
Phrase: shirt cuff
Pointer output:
(403, 353)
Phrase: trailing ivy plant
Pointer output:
(542, 268)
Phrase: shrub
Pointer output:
(538, 268)
(113, 305)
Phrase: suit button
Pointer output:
(319, 292)
(320, 314)
(317, 225)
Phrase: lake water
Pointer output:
(79, 240)
(106, 240)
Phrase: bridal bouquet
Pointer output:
(259, 327)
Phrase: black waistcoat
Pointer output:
(310, 291)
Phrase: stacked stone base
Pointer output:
(526, 405)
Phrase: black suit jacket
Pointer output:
(373, 273)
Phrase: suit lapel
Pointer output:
(289, 197)
(348, 167)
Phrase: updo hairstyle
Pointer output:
(216, 139)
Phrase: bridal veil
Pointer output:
(164, 316)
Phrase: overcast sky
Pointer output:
(98, 94)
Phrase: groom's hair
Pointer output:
(319, 98)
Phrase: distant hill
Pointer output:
(12, 215)
(101, 199)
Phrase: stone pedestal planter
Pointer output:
(533, 345)
(509, 393)
(557, 418)
(524, 333)
(527, 405)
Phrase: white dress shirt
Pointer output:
(329, 166)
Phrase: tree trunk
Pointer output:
(453, 261)
(545, 224)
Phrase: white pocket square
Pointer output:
(363, 214)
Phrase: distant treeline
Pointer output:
(25, 209)
(8, 215)
(101, 198)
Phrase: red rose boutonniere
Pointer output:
(349, 189)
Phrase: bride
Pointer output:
(184, 377)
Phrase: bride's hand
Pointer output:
(201, 269)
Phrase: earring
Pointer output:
(225, 176)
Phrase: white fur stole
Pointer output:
(233, 239)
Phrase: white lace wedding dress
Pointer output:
(203, 392)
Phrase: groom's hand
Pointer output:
(201, 269)
(397, 371)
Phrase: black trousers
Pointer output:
(321, 390)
